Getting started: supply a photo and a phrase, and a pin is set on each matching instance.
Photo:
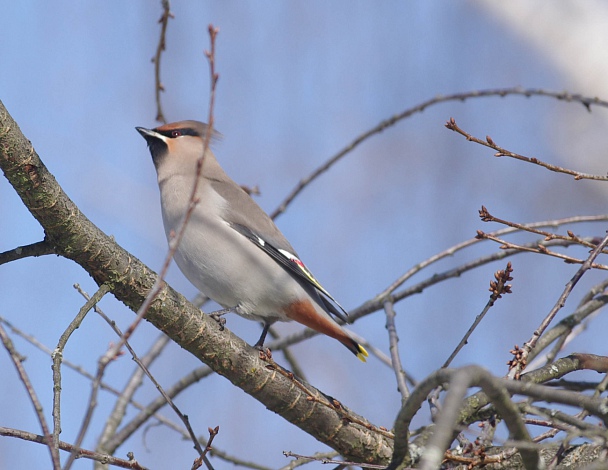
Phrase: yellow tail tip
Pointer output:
(362, 354)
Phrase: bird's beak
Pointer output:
(151, 135)
(145, 133)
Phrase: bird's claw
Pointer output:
(218, 317)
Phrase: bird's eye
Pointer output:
(176, 133)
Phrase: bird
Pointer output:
(231, 250)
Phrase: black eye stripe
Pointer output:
(172, 133)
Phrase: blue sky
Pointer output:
(298, 82)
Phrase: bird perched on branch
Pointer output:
(231, 250)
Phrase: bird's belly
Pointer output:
(233, 272)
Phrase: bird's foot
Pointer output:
(265, 353)
(260, 343)
(218, 316)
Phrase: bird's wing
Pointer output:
(241, 209)
(295, 266)
(247, 218)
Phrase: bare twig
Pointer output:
(236, 461)
(542, 250)
(181, 415)
(81, 453)
(57, 359)
(519, 364)
(104, 361)
(35, 249)
(467, 243)
(158, 86)
(564, 329)
(301, 460)
(198, 462)
(80, 370)
(17, 359)
(485, 216)
(600, 365)
(483, 459)
(180, 385)
(587, 102)
(176, 238)
(496, 391)
(448, 418)
(561, 420)
(119, 411)
(550, 372)
(501, 152)
(498, 287)
(394, 349)
(325, 458)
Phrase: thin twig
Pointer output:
(498, 287)
(35, 249)
(460, 246)
(198, 462)
(104, 360)
(497, 391)
(17, 362)
(158, 86)
(82, 453)
(220, 454)
(520, 363)
(80, 370)
(394, 349)
(542, 250)
(587, 102)
(501, 152)
(601, 388)
(118, 413)
(325, 458)
(485, 216)
(172, 404)
(561, 419)
(57, 357)
(179, 386)
(102, 364)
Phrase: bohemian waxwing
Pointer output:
(231, 250)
